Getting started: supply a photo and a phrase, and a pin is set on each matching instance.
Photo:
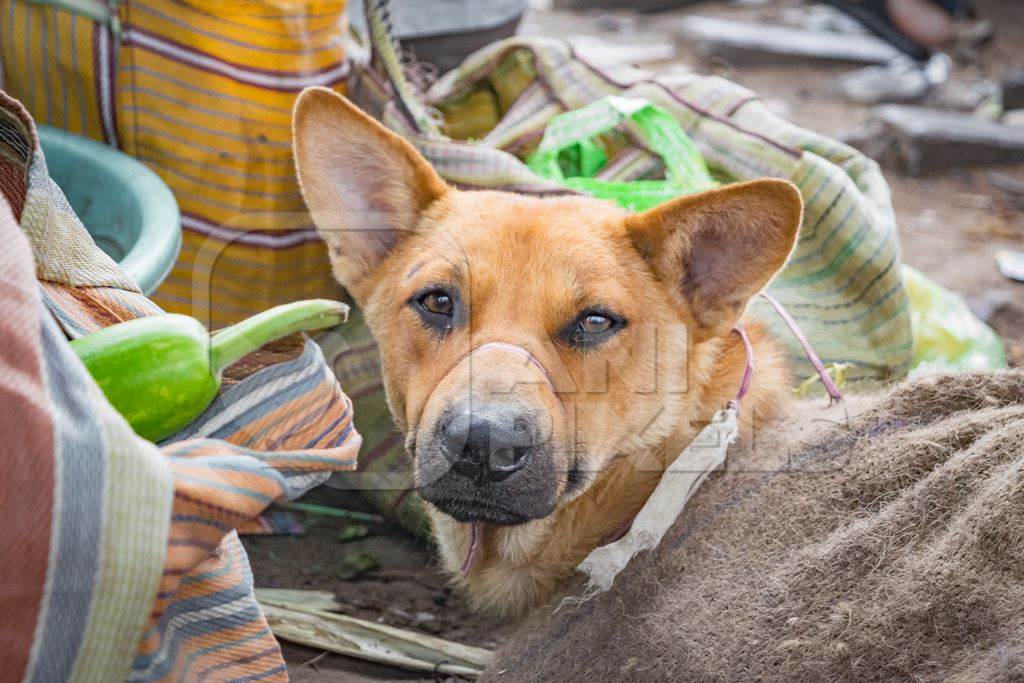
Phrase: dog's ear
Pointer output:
(364, 185)
(719, 248)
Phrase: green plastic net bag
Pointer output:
(575, 145)
(947, 336)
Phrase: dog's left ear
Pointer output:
(365, 186)
(717, 249)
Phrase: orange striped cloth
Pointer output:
(201, 91)
(268, 438)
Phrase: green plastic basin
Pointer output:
(128, 210)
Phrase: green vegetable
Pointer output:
(162, 371)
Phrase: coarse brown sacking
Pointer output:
(889, 545)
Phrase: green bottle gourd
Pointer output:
(162, 371)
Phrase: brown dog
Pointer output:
(546, 358)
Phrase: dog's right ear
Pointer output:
(364, 185)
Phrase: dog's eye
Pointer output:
(438, 302)
(438, 308)
(594, 323)
(591, 327)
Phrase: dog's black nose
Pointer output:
(490, 440)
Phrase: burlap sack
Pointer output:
(889, 546)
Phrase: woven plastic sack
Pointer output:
(480, 121)
(201, 91)
(947, 336)
(573, 151)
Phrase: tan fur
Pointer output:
(681, 275)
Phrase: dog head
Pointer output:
(526, 342)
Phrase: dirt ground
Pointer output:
(403, 589)
(950, 225)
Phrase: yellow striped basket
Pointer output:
(201, 91)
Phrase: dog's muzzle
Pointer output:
(488, 455)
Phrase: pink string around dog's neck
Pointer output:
(475, 532)
(830, 386)
(748, 369)
(748, 373)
